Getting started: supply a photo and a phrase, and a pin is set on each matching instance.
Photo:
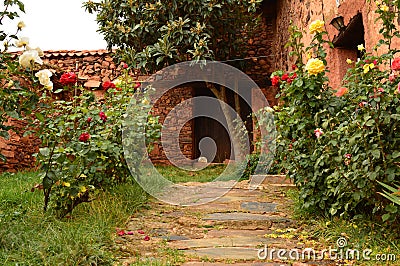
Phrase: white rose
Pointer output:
(44, 78)
(40, 51)
(23, 41)
(28, 58)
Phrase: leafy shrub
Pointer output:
(336, 145)
(83, 149)
(153, 35)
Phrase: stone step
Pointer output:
(232, 253)
(230, 241)
(242, 216)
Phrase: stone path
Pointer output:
(234, 229)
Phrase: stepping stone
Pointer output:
(241, 216)
(237, 233)
(234, 253)
(259, 206)
(252, 242)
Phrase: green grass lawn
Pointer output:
(30, 237)
(177, 175)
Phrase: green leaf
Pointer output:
(376, 154)
(40, 117)
(44, 151)
(391, 208)
(395, 116)
(386, 217)
(4, 134)
(396, 154)
(370, 123)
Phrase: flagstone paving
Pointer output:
(229, 230)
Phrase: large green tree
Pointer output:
(154, 34)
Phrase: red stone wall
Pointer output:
(18, 149)
(162, 108)
(91, 67)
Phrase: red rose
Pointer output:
(294, 67)
(291, 78)
(89, 119)
(103, 116)
(285, 77)
(125, 65)
(275, 80)
(68, 78)
(108, 85)
(375, 62)
(84, 137)
(146, 238)
(137, 85)
(396, 64)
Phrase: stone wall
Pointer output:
(303, 12)
(261, 54)
(91, 67)
(18, 149)
(181, 121)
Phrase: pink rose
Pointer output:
(396, 64)
(392, 77)
(103, 116)
(318, 132)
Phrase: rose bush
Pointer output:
(337, 145)
(82, 145)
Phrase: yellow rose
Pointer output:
(368, 67)
(317, 26)
(349, 61)
(315, 66)
(384, 8)
(360, 47)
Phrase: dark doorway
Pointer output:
(206, 128)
